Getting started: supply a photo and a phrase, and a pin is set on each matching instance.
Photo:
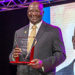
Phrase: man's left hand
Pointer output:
(37, 63)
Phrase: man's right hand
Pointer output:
(17, 51)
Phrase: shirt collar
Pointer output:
(38, 25)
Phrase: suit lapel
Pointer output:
(39, 34)
(41, 31)
(26, 31)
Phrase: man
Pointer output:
(49, 49)
(68, 67)
(73, 39)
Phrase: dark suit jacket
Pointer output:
(49, 48)
(67, 70)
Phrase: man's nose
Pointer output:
(34, 13)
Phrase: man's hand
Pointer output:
(37, 63)
(16, 52)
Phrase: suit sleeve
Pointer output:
(14, 45)
(58, 52)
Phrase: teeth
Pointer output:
(33, 18)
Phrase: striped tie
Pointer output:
(31, 38)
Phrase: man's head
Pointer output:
(35, 12)
(73, 40)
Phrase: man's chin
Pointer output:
(34, 22)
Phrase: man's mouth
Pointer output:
(34, 18)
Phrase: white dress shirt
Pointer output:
(30, 27)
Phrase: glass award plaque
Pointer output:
(24, 57)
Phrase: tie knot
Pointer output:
(34, 27)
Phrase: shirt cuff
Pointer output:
(42, 68)
(13, 58)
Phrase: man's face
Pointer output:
(73, 40)
(35, 13)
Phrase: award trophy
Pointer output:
(24, 57)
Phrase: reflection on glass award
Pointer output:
(32, 50)
(22, 43)
(24, 57)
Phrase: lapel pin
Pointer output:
(25, 32)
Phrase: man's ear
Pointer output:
(43, 13)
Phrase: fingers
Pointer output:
(33, 65)
(37, 63)
(16, 52)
